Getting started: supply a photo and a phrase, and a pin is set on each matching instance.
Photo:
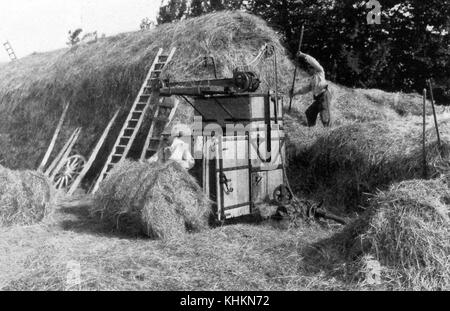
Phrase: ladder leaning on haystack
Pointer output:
(148, 97)
(10, 51)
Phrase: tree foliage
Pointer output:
(411, 43)
(74, 37)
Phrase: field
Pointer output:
(367, 168)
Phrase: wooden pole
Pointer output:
(60, 154)
(53, 141)
(295, 69)
(66, 154)
(424, 148)
(93, 156)
(434, 115)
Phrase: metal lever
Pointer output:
(224, 180)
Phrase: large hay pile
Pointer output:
(26, 197)
(402, 103)
(365, 105)
(101, 77)
(406, 229)
(346, 162)
(159, 200)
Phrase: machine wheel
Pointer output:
(69, 172)
(242, 80)
(282, 195)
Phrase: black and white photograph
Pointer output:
(225, 151)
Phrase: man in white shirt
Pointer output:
(319, 87)
(173, 148)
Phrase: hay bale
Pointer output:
(26, 197)
(407, 230)
(159, 200)
(346, 162)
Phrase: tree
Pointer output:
(172, 11)
(74, 37)
(146, 24)
(179, 9)
(411, 43)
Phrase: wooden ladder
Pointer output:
(163, 114)
(10, 51)
(146, 97)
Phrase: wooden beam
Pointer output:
(434, 115)
(53, 141)
(60, 154)
(424, 137)
(93, 156)
(66, 154)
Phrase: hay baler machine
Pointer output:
(239, 144)
(238, 141)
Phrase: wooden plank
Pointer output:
(53, 141)
(60, 154)
(66, 154)
(93, 156)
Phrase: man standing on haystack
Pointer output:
(318, 86)
(173, 148)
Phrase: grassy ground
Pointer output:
(266, 256)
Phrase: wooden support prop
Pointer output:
(424, 147)
(66, 154)
(60, 154)
(434, 115)
(295, 69)
(93, 156)
(53, 141)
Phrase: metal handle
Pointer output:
(224, 180)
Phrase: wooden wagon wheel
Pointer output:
(71, 169)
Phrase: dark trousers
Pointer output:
(321, 104)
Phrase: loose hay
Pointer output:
(404, 104)
(26, 197)
(347, 162)
(407, 229)
(159, 200)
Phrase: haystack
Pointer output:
(346, 162)
(407, 230)
(100, 77)
(159, 200)
(402, 103)
(26, 197)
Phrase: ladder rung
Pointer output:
(161, 119)
(166, 105)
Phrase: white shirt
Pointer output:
(317, 81)
(178, 152)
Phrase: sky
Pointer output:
(43, 25)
